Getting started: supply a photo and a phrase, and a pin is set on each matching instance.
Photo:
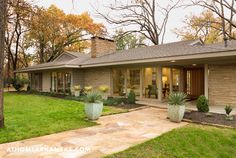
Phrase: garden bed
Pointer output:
(210, 118)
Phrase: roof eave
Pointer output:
(46, 68)
(164, 59)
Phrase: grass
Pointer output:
(28, 116)
(191, 141)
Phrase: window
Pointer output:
(67, 82)
(54, 82)
(134, 81)
(61, 82)
(118, 82)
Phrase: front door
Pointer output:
(194, 82)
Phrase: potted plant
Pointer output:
(88, 89)
(77, 89)
(104, 89)
(93, 105)
(228, 110)
(176, 106)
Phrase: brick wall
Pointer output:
(96, 77)
(101, 46)
(222, 84)
(78, 77)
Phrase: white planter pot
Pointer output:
(104, 96)
(176, 112)
(77, 93)
(93, 110)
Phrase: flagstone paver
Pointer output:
(115, 133)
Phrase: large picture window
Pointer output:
(61, 82)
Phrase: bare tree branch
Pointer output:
(145, 17)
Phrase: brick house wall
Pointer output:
(96, 77)
(222, 84)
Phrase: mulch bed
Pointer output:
(213, 118)
(129, 106)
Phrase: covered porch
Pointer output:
(156, 82)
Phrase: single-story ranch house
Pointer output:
(154, 71)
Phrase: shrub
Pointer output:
(177, 98)
(131, 97)
(228, 109)
(202, 104)
(82, 92)
(93, 97)
(28, 88)
(113, 101)
(19, 83)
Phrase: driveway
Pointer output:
(115, 133)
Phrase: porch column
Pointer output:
(206, 75)
(141, 82)
(159, 83)
(111, 83)
(171, 80)
(126, 78)
(181, 80)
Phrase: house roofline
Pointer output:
(139, 61)
(166, 59)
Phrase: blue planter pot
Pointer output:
(93, 110)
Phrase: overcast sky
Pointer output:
(79, 6)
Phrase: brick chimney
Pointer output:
(101, 46)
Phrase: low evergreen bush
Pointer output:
(202, 104)
(131, 97)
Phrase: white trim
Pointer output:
(206, 77)
(171, 80)
(181, 80)
(159, 69)
(47, 68)
(141, 82)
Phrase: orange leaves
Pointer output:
(85, 22)
(53, 31)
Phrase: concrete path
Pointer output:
(115, 133)
(190, 105)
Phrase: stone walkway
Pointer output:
(190, 105)
(115, 133)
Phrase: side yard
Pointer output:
(28, 116)
(191, 141)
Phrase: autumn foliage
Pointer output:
(53, 31)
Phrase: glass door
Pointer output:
(134, 81)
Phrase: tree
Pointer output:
(204, 26)
(128, 41)
(18, 15)
(145, 17)
(66, 32)
(226, 11)
(3, 6)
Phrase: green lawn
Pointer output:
(29, 116)
(193, 141)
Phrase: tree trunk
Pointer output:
(3, 4)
